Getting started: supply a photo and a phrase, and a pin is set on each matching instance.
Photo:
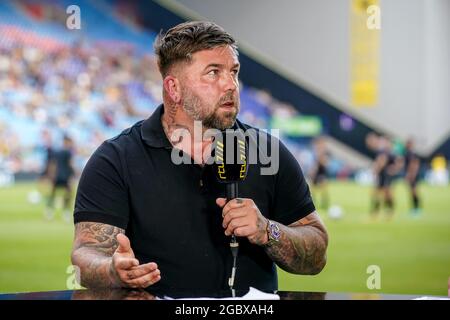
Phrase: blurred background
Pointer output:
(347, 82)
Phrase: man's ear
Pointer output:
(172, 88)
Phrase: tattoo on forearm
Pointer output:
(301, 248)
(99, 236)
(94, 245)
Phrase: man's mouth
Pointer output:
(229, 104)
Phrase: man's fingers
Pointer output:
(146, 280)
(236, 223)
(122, 263)
(232, 214)
(221, 202)
(148, 267)
(124, 244)
(244, 231)
(234, 204)
(141, 270)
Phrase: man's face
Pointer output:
(210, 87)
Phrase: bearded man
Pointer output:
(143, 221)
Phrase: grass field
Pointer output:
(413, 253)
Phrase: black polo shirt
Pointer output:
(170, 214)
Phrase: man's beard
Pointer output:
(197, 110)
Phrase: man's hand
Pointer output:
(301, 248)
(125, 267)
(106, 260)
(242, 218)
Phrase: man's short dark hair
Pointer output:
(180, 42)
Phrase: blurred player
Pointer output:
(412, 167)
(47, 148)
(319, 174)
(61, 172)
(43, 183)
(386, 166)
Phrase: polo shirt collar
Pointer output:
(152, 131)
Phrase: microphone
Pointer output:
(230, 167)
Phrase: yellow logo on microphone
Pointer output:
(219, 159)
(243, 159)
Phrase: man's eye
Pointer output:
(213, 72)
(235, 72)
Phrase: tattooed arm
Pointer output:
(105, 258)
(94, 245)
(302, 245)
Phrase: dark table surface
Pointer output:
(125, 294)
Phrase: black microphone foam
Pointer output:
(230, 156)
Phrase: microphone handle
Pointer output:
(232, 193)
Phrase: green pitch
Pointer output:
(413, 254)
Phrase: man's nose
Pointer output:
(229, 82)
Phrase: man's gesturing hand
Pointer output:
(242, 218)
(126, 270)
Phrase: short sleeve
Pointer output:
(293, 199)
(102, 194)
